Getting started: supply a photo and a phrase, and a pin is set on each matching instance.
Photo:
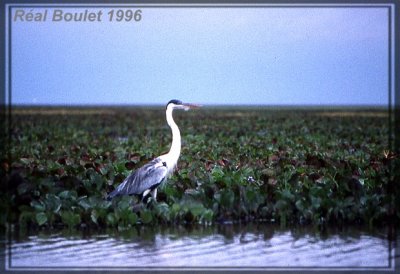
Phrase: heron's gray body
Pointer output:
(148, 177)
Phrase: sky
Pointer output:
(250, 56)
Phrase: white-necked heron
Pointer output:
(146, 179)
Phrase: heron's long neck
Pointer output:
(175, 150)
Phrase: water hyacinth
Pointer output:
(237, 165)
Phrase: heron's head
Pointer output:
(177, 104)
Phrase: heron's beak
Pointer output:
(187, 106)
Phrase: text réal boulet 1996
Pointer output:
(77, 15)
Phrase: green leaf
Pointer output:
(111, 219)
(120, 167)
(95, 201)
(146, 216)
(129, 217)
(227, 198)
(132, 218)
(281, 205)
(94, 216)
(26, 161)
(25, 217)
(217, 173)
(316, 202)
(38, 205)
(103, 170)
(104, 204)
(197, 209)
(70, 218)
(97, 180)
(299, 205)
(23, 188)
(41, 218)
(84, 202)
(53, 203)
(163, 210)
(68, 194)
(207, 215)
(287, 195)
(175, 207)
(124, 203)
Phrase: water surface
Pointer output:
(249, 247)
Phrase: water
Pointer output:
(250, 247)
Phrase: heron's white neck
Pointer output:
(175, 149)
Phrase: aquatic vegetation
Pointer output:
(289, 166)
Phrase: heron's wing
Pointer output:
(148, 176)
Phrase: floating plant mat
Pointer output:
(285, 165)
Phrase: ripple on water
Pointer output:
(248, 248)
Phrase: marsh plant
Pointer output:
(291, 166)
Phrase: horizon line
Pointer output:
(202, 104)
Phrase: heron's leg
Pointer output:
(154, 194)
(136, 204)
(147, 191)
(137, 207)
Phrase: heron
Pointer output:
(146, 179)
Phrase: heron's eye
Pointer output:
(164, 164)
